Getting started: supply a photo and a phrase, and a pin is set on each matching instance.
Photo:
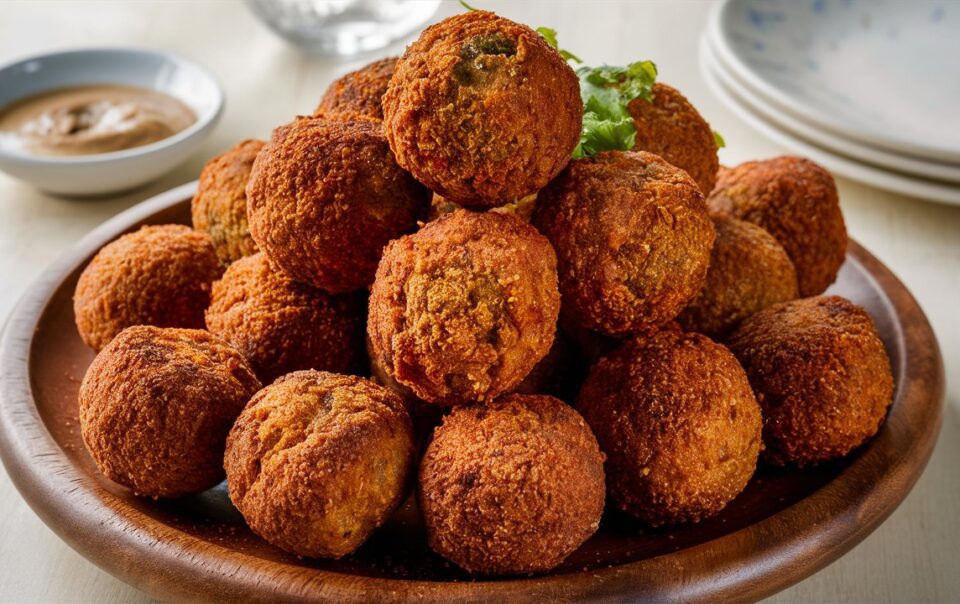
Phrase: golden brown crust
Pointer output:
(482, 110)
(678, 422)
(463, 309)
(511, 487)
(281, 325)
(159, 275)
(632, 237)
(324, 198)
(220, 206)
(795, 200)
(669, 126)
(749, 271)
(821, 375)
(357, 95)
(156, 405)
(317, 461)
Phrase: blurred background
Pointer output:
(759, 74)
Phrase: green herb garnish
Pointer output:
(467, 6)
(606, 92)
(550, 36)
(634, 80)
(718, 140)
(605, 134)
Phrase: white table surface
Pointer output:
(913, 556)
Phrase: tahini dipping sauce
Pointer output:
(84, 120)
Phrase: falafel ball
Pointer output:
(482, 110)
(317, 461)
(514, 486)
(632, 237)
(678, 422)
(749, 271)
(669, 126)
(281, 325)
(324, 198)
(358, 94)
(159, 275)
(156, 405)
(796, 201)
(462, 310)
(821, 375)
(220, 206)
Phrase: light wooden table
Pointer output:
(912, 557)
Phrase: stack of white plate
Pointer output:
(870, 90)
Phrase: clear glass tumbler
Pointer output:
(343, 27)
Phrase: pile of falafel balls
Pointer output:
(546, 336)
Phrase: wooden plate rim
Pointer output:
(745, 565)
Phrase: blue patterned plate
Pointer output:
(880, 72)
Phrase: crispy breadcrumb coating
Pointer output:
(462, 310)
(357, 95)
(749, 271)
(482, 110)
(324, 198)
(669, 126)
(795, 200)
(317, 461)
(821, 375)
(678, 422)
(632, 237)
(159, 275)
(156, 405)
(281, 325)
(220, 206)
(511, 487)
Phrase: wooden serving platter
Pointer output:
(783, 528)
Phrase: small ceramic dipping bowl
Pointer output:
(97, 174)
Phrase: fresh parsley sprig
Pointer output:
(606, 92)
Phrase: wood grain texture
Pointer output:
(784, 527)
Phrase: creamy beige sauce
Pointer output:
(85, 120)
